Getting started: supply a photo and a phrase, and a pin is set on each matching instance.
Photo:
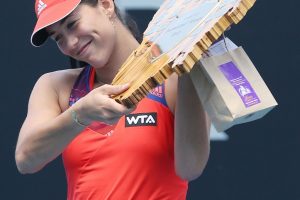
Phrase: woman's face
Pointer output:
(87, 34)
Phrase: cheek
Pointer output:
(62, 49)
(107, 41)
(105, 35)
(83, 29)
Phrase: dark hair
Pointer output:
(125, 18)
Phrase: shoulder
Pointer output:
(59, 80)
(61, 76)
(59, 83)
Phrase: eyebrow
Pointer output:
(64, 19)
(60, 22)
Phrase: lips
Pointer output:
(84, 47)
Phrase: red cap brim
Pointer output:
(50, 16)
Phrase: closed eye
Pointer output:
(71, 24)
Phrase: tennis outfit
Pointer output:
(133, 159)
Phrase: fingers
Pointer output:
(112, 117)
(112, 104)
(117, 108)
(114, 89)
(109, 117)
(98, 105)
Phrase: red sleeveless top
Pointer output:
(133, 159)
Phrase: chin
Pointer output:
(98, 60)
(98, 63)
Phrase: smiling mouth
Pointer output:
(83, 48)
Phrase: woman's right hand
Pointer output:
(48, 128)
(98, 106)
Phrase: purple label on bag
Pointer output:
(240, 84)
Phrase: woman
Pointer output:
(105, 154)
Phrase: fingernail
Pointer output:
(126, 85)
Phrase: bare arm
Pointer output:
(191, 128)
(47, 130)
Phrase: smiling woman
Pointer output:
(109, 151)
(124, 17)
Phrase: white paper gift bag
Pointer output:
(231, 89)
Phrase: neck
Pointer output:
(124, 46)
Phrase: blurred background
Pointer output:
(254, 161)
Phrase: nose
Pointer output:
(70, 44)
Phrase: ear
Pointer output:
(109, 7)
